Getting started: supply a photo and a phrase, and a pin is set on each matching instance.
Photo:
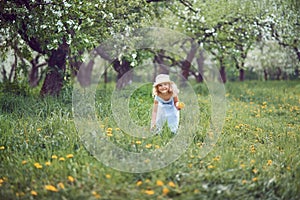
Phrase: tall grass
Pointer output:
(256, 156)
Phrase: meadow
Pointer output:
(257, 156)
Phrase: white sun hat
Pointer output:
(162, 78)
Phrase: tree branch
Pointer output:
(189, 5)
(150, 1)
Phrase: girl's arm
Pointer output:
(154, 113)
(176, 102)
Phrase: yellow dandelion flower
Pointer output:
(196, 191)
(138, 142)
(252, 161)
(147, 181)
(96, 195)
(165, 191)
(109, 134)
(24, 162)
(159, 183)
(38, 129)
(61, 185)
(71, 179)
(242, 165)
(255, 171)
(171, 184)
(254, 179)
(157, 146)
(149, 192)
(269, 162)
(33, 193)
(108, 176)
(70, 155)
(109, 129)
(210, 166)
(2, 147)
(253, 149)
(118, 129)
(51, 188)
(48, 163)
(54, 157)
(61, 159)
(244, 181)
(217, 158)
(148, 146)
(38, 165)
(139, 183)
(20, 194)
(181, 105)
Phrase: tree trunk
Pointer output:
(297, 72)
(297, 51)
(124, 75)
(241, 74)
(84, 74)
(75, 63)
(185, 69)
(105, 76)
(13, 69)
(56, 69)
(265, 75)
(186, 64)
(223, 74)
(278, 74)
(35, 74)
(200, 63)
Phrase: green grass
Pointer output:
(256, 156)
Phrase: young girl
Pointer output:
(166, 104)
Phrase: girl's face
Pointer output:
(163, 88)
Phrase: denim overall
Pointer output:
(167, 112)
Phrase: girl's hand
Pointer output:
(179, 105)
